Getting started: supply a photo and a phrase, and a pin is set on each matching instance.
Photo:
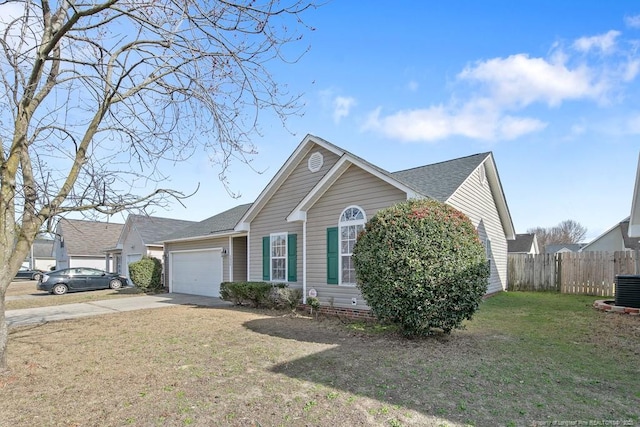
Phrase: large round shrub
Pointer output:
(146, 273)
(420, 265)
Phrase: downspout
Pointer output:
(230, 259)
(248, 255)
(304, 261)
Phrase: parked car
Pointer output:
(28, 274)
(60, 282)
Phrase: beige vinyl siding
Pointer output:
(132, 245)
(273, 216)
(154, 252)
(219, 242)
(355, 187)
(239, 259)
(474, 198)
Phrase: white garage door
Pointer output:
(196, 272)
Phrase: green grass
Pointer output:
(524, 358)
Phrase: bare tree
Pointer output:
(98, 97)
(568, 231)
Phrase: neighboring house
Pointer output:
(634, 219)
(614, 239)
(141, 236)
(302, 227)
(42, 252)
(524, 244)
(558, 248)
(80, 243)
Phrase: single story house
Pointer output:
(141, 236)
(80, 243)
(526, 243)
(614, 239)
(301, 228)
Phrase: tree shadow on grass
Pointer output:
(438, 376)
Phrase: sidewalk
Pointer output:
(30, 316)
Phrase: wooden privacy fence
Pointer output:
(588, 273)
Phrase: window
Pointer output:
(351, 224)
(487, 247)
(279, 257)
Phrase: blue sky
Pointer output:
(551, 88)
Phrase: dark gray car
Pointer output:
(27, 274)
(79, 279)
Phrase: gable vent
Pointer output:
(315, 162)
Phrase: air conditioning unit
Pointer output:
(628, 291)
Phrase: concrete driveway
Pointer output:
(30, 316)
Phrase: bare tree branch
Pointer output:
(96, 96)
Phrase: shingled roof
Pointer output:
(441, 180)
(88, 238)
(522, 243)
(43, 248)
(153, 229)
(220, 223)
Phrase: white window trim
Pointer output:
(272, 236)
(487, 250)
(340, 225)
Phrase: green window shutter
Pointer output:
(266, 258)
(332, 256)
(292, 257)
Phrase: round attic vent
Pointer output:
(315, 162)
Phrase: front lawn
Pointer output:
(526, 359)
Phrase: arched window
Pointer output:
(351, 223)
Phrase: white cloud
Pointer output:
(439, 122)
(603, 42)
(491, 95)
(630, 70)
(632, 21)
(342, 107)
(519, 80)
(413, 85)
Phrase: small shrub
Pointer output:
(256, 294)
(146, 273)
(420, 265)
(285, 297)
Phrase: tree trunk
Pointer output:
(4, 332)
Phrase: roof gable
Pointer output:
(623, 228)
(283, 173)
(88, 238)
(221, 223)
(522, 243)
